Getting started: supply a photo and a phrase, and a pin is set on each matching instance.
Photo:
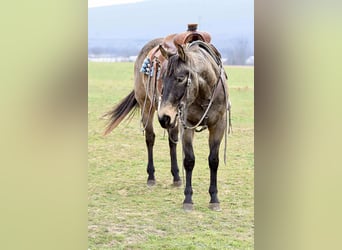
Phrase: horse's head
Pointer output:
(190, 73)
(179, 85)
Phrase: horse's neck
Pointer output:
(205, 91)
(208, 83)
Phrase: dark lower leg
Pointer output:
(150, 137)
(173, 139)
(189, 162)
(213, 164)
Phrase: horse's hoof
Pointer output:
(151, 183)
(215, 206)
(188, 207)
(177, 183)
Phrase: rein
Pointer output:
(182, 107)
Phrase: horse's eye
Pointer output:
(180, 79)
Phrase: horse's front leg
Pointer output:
(173, 139)
(215, 138)
(188, 163)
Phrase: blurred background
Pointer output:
(117, 29)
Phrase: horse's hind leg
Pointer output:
(149, 138)
(173, 139)
(215, 138)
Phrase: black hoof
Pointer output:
(215, 206)
(151, 183)
(177, 183)
(188, 207)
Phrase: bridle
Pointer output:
(182, 107)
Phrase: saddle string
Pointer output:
(147, 88)
(225, 131)
(230, 130)
(142, 126)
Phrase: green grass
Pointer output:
(123, 213)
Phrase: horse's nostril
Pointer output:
(164, 121)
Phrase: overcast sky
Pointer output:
(112, 20)
(102, 3)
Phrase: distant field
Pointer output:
(123, 213)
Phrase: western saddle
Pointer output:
(154, 63)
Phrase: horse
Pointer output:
(145, 95)
(195, 97)
(153, 91)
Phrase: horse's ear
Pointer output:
(181, 52)
(164, 52)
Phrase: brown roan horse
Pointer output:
(193, 97)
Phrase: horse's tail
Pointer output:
(120, 111)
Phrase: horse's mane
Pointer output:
(206, 53)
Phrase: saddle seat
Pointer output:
(171, 41)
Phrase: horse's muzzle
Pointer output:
(167, 115)
(165, 121)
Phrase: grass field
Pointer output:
(123, 213)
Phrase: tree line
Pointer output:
(234, 51)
